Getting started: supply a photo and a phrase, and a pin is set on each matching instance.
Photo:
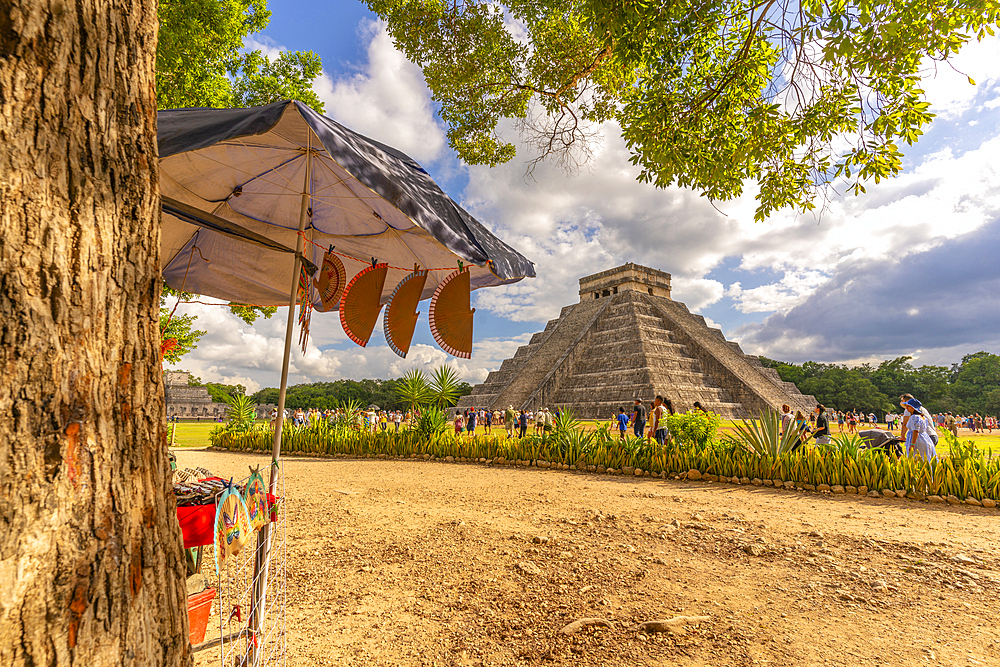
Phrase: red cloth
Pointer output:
(197, 525)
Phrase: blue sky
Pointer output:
(910, 268)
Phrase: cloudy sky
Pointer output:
(912, 267)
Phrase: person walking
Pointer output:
(622, 423)
(658, 425)
(918, 431)
(803, 425)
(932, 433)
(524, 423)
(509, 420)
(822, 432)
(470, 425)
(786, 418)
(638, 419)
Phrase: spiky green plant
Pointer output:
(763, 435)
(444, 387)
(413, 389)
(432, 422)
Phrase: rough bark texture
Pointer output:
(91, 569)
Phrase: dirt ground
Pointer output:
(428, 563)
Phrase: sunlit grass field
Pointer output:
(190, 434)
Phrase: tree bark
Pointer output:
(91, 567)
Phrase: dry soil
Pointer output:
(429, 563)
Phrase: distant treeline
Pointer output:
(326, 395)
(970, 386)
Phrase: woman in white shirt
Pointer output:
(918, 431)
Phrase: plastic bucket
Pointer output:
(199, 609)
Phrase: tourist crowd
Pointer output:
(918, 428)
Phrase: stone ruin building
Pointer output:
(188, 402)
(628, 339)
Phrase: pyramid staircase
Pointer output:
(599, 355)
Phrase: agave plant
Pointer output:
(432, 422)
(763, 435)
(349, 414)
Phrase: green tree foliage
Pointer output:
(846, 389)
(180, 329)
(710, 94)
(288, 77)
(330, 395)
(970, 386)
(201, 60)
(222, 393)
(976, 383)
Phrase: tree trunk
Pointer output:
(91, 567)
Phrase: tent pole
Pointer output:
(262, 558)
(290, 325)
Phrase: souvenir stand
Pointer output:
(232, 181)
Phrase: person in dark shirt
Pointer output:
(822, 428)
(470, 425)
(622, 423)
(638, 418)
(523, 422)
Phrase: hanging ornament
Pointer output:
(305, 309)
(401, 313)
(451, 315)
(332, 280)
(232, 526)
(361, 303)
(256, 499)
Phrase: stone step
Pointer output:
(638, 360)
(687, 392)
(573, 324)
(612, 376)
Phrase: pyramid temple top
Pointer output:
(624, 278)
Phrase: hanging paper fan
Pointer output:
(332, 280)
(232, 526)
(256, 499)
(360, 305)
(401, 313)
(451, 316)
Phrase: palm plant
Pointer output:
(413, 390)
(242, 412)
(444, 387)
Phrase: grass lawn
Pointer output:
(190, 434)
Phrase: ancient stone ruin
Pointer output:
(186, 401)
(628, 339)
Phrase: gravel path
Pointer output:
(427, 563)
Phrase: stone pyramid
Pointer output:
(628, 339)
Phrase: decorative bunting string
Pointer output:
(364, 261)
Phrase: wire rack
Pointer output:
(253, 594)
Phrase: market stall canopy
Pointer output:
(369, 201)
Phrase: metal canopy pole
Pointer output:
(263, 556)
